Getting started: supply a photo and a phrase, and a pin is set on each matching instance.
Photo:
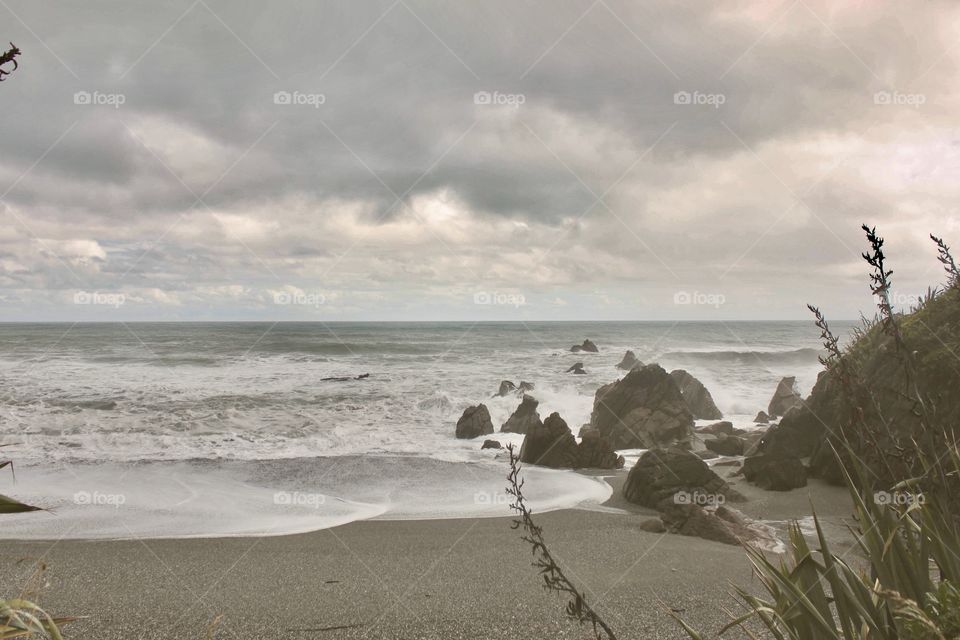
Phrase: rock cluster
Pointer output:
(552, 444)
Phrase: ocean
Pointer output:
(201, 429)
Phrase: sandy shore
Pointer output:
(453, 578)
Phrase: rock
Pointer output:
(726, 445)
(698, 399)
(663, 476)
(491, 444)
(762, 418)
(707, 455)
(644, 409)
(595, 452)
(474, 422)
(785, 397)
(717, 428)
(775, 472)
(719, 523)
(587, 346)
(577, 368)
(506, 388)
(550, 444)
(525, 386)
(653, 525)
(524, 416)
(629, 361)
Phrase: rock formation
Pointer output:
(644, 409)
(775, 472)
(576, 368)
(524, 417)
(698, 399)
(671, 476)
(474, 422)
(629, 361)
(587, 346)
(785, 397)
(550, 444)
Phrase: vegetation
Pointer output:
(899, 456)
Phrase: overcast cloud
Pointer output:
(389, 188)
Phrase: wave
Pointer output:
(788, 356)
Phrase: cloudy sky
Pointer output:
(589, 159)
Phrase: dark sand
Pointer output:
(409, 579)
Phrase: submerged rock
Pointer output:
(491, 444)
(629, 361)
(644, 409)
(698, 399)
(576, 368)
(587, 346)
(524, 417)
(785, 397)
(506, 388)
(474, 422)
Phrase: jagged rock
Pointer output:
(595, 452)
(717, 428)
(550, 444)
(523, 387)
(660, 476)
(775, 472)
(474, 422)
(726, 445)
(720, 524)
(491, 444)
(653, 525)
(698, 399)
(644, 409)
(576, 368)
(762, 418)
(629, 361)
(524, 417)
(587, 346)
(785, 397)
(506, 388)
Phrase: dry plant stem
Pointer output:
(553, 576)
(946, 259)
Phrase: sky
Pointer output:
(496, 160)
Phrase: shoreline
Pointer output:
(435, 578)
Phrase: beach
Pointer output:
(442, 578)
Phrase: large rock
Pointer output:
(698, 399)
(629, 361)
(762, 418)
(665, 476)
(775, 472)
(644, 409)
(524, 417)
(719, 523)
(785, 397)
(595, 452)
(550, 444)
(718, 428)
(587, 346)
(474, 422)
